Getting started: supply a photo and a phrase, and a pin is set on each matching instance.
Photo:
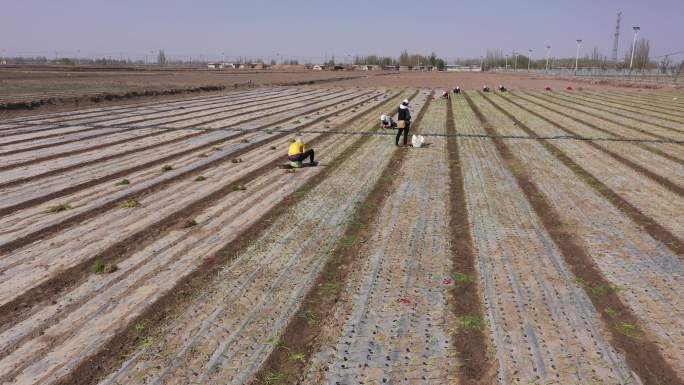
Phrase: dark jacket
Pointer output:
(404, 114)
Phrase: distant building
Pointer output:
(461, 68)
(319, 67)
(404, 68)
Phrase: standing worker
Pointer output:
(298, 152)
(404, 122)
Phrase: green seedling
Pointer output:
(462, 278)
(611, 312)
(310, 317)
(98, 267)
(349, 240)
(123, 182)
(146, 343)
(245, 140)
(167, 167)
(274, 378)
(290, 171)
(130, 203)
(274, 148)
(236, 160)
(217, 148)
(631, 330)
(329, 288)
(269, 132)
(600, 290)
(470, 322)
(59, 208)
(110, 268)
(297, 357)
(190, 223)
(200, 178)
(239, 187)
(203, 155)
(139, 327)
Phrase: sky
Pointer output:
(313, 30)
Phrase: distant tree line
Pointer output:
(404, 59)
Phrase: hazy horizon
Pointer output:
(313, 31)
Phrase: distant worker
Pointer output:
(445, 94)
(298, 152)
(502, 88)
(485, 88)
(457, 90)
(547, 88)
(387, 122)
(404, 123)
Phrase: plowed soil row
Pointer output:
(642, 352)
(628, 149)
(600, 123)
(675, 126)
(171, 250)
(235, 324)
(637, 105)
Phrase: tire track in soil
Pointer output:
(70, 276)
(589, 124)
(639, 105)
(607, 115)
(249, 281)
(643, 356)
(652, 227)
(305, 331)
(619, 111)
(675, 188)
(197, 282)
(221, 139)
(272, 165)
(103, 145)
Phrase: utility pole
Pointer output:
(548, 51)
(506, 62)
(636, 32)
(579, 43)
(529, 59)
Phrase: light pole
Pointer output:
(548, 51)
(579, 43)
(481, 64)
(516, 54)
(631, 60)
(529, 59)
(506, 55)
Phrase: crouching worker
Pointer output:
(445, 95)
(387, 122)
(298, 152)
(485, 88)
(502, 88)
(457, 90)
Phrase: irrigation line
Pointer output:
(392, 133)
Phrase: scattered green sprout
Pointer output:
(200, 178)
(167, 167)
(462, 278)
(296, 357)
(190, 223)
(631, 330)
(98, 267)
(273, 378)
(470, 322)
(59, 208)
(239, 187)
(123, 182)
(130, 203)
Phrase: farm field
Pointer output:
(536, 238)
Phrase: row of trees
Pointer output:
(595, 59)
(404, 59)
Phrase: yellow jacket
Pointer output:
(296, 148)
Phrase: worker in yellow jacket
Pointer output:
(298, 152)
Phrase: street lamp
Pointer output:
(506, 68)
(579, 43)
(516, 54)
(548, 51)
(631, 61)
(529, 59)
